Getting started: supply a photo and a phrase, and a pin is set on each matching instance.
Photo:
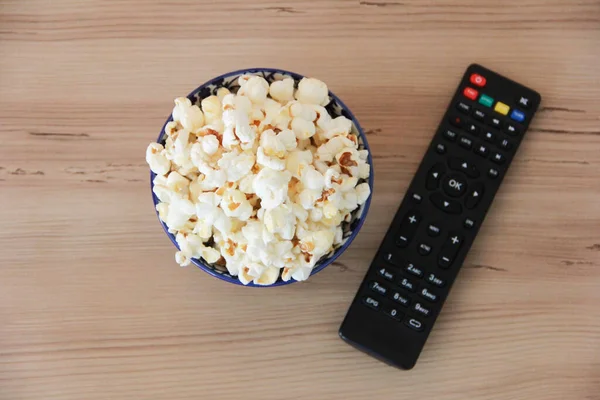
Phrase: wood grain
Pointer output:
(92, 305)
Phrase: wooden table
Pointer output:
(92, 304)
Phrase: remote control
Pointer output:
(410, 277)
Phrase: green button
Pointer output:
(486, 100)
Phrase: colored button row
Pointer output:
(487, 101)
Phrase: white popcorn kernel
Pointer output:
(181, 104)
(350, 201)
(269, 140)
(302, 111)
(316, 214)
(363, 154)
(323, 119)
(178, 184)
(307, 198)
(244, 276)
(243, 104)
(163, 211)
(280, 220)
(348, 183)
(328, 151)
(312, 91)
(295, 159)
(270, 162)
(171, 128)
(271, 186)
(235, 204)
(302, 128)
(229, 139)
(330, 210)
(364, 170)
(203, 230)
(222, 92)
(181, 259)
(282, 91)
(288, 139)
(318, 242)
(340, 126)
(180, 211)
(192, 118)
(236, 166)
(160, 188)
(213, 179)
(211, 106)
(299, 212)
(255, 88)
(363, 191)
(243, 130)
(268, 277)
(210, 255)
(301, 273)
(210, 144)
(332, 177)
(159, 164)
(245, 184)
(339, 236)
(312, 179)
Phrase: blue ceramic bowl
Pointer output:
(335, 108)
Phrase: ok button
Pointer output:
(455, 185)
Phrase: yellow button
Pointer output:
(501, 108)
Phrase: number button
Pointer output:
(377, 288)
(414, 270)
(401, 299)
(393, 312)
(434, 280)
(426, 294)
(408, 285)
(385, 274)
(421, 309)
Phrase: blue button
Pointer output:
(517, 115)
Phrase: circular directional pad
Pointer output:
(455, 185)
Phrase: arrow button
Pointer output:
(434, 176)
(474, 196)
(445, 204)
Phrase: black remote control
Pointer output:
(411, 275)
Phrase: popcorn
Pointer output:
(271, 186)
(340, 126)
(302, 128)
(260, 180)
(190, 116)
(255, 88)
(159, 164)
(211, 106)
(236, 165)
(363, 191)
(282, 91)
(296, 159)
(312, 91)
(235, 204)
(280, 220)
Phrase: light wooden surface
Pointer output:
(92, 305)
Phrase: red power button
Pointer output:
(478, 80)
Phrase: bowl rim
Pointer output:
(198, 262)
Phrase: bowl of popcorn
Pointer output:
(261, 177)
